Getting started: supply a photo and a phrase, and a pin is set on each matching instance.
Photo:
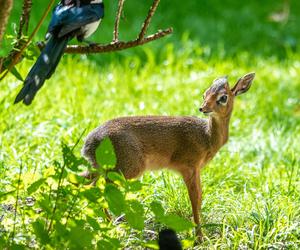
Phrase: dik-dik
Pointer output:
(181, 143)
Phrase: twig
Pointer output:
(60, 183)
(70, 209)
(60, 179)
(115, 45)
(5, 11)
(16, 204)
(117, 22)
(148, 19)
(77, 49)
(24, 20)
(19, 54)
(1, 64)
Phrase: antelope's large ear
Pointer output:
(243, 84)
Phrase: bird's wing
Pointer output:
(66, 19)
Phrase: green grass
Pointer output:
(251, 188)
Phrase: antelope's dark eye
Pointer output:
(222, 99)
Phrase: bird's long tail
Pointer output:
(43, 68)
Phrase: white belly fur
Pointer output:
(90, 28)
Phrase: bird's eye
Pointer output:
(222, 100)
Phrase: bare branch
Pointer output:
(117, 22)
(23, 24)
(1, 64)
(24, 20)
(114, 46)
(18, 55)
(117, 45)
(6, 6)
(148, 19)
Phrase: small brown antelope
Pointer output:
(181, 143)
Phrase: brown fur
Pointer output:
(181, 143)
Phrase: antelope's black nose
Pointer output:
(200, 109)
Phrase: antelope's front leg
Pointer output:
(192, 180)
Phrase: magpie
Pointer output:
(70, 19)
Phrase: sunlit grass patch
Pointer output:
(251, 191)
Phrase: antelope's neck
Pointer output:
(218, 129)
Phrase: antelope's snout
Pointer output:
(205, 109)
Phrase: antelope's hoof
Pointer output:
(199, 235)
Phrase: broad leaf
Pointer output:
(157, 209)
(35, 186)
(105, 153)
(71, 161)
(80, 238)
(92, 194)
(115, 199)
(176, 222)
(40, 231)
(115, 176)
(135, 214)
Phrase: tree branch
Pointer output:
(18, 55)
(148, 19)
(24, 20)
(117, 45)
(117, 22)
(113, 46)
(6, 6)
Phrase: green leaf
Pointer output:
(176, 222)
(80, 237)
(105, 153)
(134, 186)
(3, 194)
(115, 176)
(188, 243)
(108, 243)
(75, 179)
(103, 245)
(72, 162)
(92, 194)
(157, 209)
(93, 223)
(17, 247)
(60, 230)
(40, 231)
(135, 214)
(35, 186)
(152, 244)
(16, 73)
(114, 242)
(115, 199)
(100, 213)
(45, 204)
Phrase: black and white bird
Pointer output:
(70, 18)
